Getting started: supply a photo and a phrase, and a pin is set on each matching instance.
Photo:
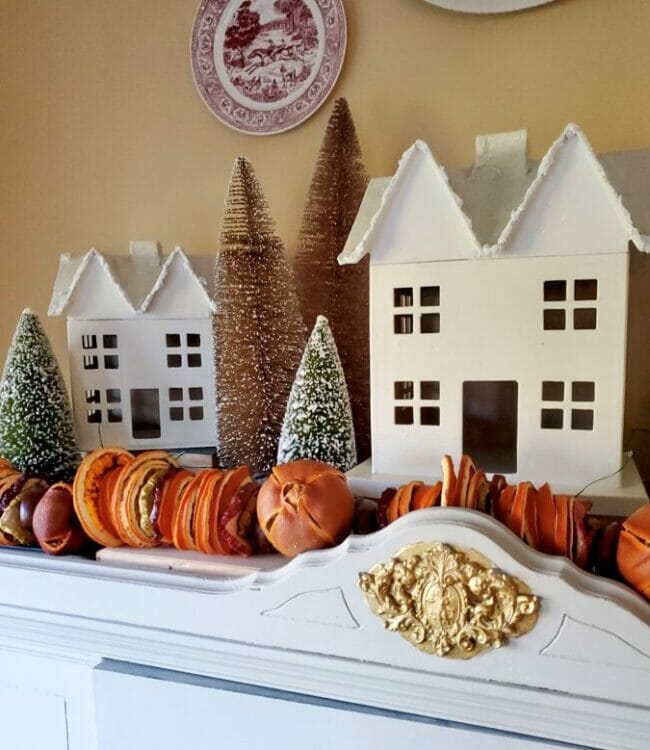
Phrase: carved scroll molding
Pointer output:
(449, 602)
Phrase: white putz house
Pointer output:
(511, 350)
(140, 348)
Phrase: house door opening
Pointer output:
(490, 424)
(145, 413)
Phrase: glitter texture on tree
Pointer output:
(338, 292)
(258, 330)
(318, 422)
(36, 428)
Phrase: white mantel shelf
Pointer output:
(78, 636)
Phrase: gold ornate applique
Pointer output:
(449, 602)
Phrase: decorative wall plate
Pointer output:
(265, 66)
(487, 6)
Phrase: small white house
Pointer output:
(140, 348)
(510, 348)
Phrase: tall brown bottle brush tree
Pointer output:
(259, 334)
(340, 293)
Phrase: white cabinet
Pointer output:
(138, 707)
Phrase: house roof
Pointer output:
(496, 200)
(125, 285)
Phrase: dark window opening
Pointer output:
(113, 396)
(176, 413)
(92, 397)
(554, 320)
(196, 413)
(404, 389)
(194, 339)
(173, 339)
(583, 391)
(552, 419)
(109, 341)
(554, 291)
(585, 289)
(403, 324)
(194, 360)
(174, 360)
(175, 394)
(196, 394)
(430, 390)
(90, 362)
(430, 323)
(403, 415)
(430, 415)
(584, 318)
(582, 419)
(430, 296)
(114, 415)
(89, 341)
(94, 416)
(552, 390)
(111, 361)
(403, 297)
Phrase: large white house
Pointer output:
(512, 349)
(140, 348)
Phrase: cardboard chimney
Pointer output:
(505, 340)
(140, 348)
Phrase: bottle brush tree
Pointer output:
(318, 422)
(326, 288)
(36, 428)
(258, 331)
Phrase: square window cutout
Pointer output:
(92, 397)
(175, 394)
(430, 415)
(174, 360)
(430, 390)
(552, 390)
(552, 419)
(585, 289)
(403, 323)
(194, 360)
(94, 416)
(114, 415)
(196, 394)
(582, 419)
(404, 389)
(584, 318)
(583, 390)
(403, 415)
(89, 341)
(429, 296)
(90, 362)
(176, 413)
(554, 291)
(403, 297)
(173, 340)
(111, 361)
(196, 413)
(430, 323)
(194, 339)
(113, 396)
(109, 341)
(554, 320)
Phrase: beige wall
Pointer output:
(104, 139)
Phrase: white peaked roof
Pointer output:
(144, 282)
(417, 202)
(568, 205)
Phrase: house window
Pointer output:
(176, 413)
(403, 297)
(194, 339)
(111, 361)
(173, 340)
(92, 397)
(403, 323)
(194, 360)
(428, 412)
(94, 416)
(90, 362)
(429, 296)
(196, 413)
(564, 305)
(89, 341)
(174, 360)
(113, 396)
(430, 323)
(114, 415)
(572, 411)
(185, 401)
(196, 394)
(175, 394)
(109, 341)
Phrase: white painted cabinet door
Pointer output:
(138, 707)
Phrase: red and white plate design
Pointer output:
(265, 66)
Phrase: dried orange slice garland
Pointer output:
(550, 523)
